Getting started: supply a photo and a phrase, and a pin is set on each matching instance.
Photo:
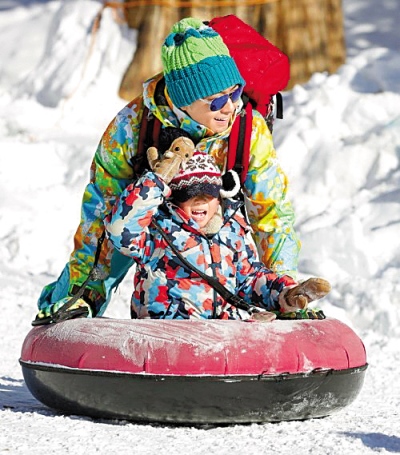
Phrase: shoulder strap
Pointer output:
(240, 136)
(139, 161)
(239, 142)
(269, 115)
(149, 133)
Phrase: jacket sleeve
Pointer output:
(127, 226)
(257, 284)
(270, 212)
(111, 172)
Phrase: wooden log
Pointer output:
(154, 26)
(135, 16)
(310, 32)
(335, 35)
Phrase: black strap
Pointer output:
(238, 167)
(150, 127)
(153, 124)
(279, 105)
(148, 138)
(233, 299)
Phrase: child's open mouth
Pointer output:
(199, 215)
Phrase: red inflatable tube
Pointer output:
(177, 371)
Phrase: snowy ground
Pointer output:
(340, 144)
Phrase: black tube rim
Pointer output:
(203, 377)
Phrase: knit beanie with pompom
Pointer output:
(202, 176)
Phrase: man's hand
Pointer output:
(54, 313)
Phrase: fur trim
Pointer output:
(230, 184)
(215, 224)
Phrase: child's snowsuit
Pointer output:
(163, 287)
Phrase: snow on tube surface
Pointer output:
(194, 372)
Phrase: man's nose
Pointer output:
(229, 107)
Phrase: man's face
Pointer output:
(217, 121)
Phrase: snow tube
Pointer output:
(194, 372)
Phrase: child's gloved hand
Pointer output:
(172, 160)
(54, 313)
(299, 296)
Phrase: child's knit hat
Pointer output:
(202, 176)
(197, 63)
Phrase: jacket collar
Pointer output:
(161, 106)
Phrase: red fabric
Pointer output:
(233, 143)
(264, 67)
(195, 347)
(247, 141)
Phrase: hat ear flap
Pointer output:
(230, 184)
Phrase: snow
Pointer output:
(340, 144)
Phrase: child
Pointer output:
(193, 209)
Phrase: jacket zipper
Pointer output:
(210, 243)
(215, 294)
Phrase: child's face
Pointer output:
(216, 121)
(200, 208)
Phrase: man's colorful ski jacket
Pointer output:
(269, 210)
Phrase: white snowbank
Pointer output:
(340, 144)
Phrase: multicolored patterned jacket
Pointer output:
(270, 212)
(163, 286)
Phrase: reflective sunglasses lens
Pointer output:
(236, 94)
(219, 103)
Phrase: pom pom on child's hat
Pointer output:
(202, 176)
(197, 63)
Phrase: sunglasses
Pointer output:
(218, 103)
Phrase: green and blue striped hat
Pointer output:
(196, 63)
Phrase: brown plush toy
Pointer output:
(175, 158)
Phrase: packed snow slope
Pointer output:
(339, 142)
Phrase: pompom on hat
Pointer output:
(202, 176)
(197, 63)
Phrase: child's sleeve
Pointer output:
(127, 225)
(257, 284)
